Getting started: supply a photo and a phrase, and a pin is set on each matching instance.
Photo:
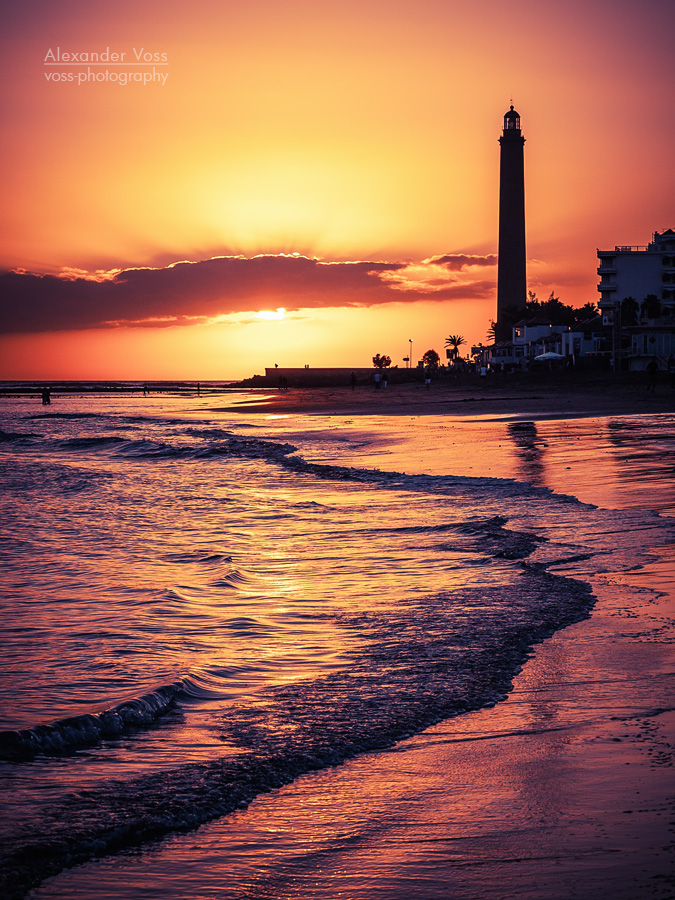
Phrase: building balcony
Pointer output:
(606, 269)
(606, 287)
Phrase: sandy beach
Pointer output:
(564, 790)
(543, 395)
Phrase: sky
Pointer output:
(234, 185)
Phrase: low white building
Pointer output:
(533, 338)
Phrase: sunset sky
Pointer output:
(337, 160)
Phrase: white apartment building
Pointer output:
(637, 272)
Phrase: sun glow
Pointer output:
(279, 313)
(333, 157)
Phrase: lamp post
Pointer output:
(410, 356)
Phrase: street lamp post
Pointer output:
(410, 356)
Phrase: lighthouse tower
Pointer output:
(511, 276)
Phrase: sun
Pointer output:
(279, 313)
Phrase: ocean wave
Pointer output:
(215, 682)
(249, 448)
(248, 625)
(146, 448)
(20, 478)
(198, 556)
(285, 454)
(69, 415)
(431, 659)
(7, 436)
(210, 433)
(68, 735)
(77, 732)
(234, 580)
(92, 443)
(117, 445)
(439, 484)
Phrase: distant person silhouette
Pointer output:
(46, 396)
(352, 380)
(652, 370)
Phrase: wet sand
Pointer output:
(565, 790)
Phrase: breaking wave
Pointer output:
(76, 732)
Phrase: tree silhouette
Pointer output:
(431, 359)
(381, 362)
(557, 312)
(587, 311)
(651, 307)
(630, 309)
(553, 310)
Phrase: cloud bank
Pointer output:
(187, 293)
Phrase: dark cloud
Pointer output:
(189, 292)
(456, 262)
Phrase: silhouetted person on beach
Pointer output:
(352, 380)
(652, 369)
(46, 396)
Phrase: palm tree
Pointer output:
(651, 307)
(454, 341)
(630, 310)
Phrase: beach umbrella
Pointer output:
(550, 355)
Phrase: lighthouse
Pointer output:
(511, 275)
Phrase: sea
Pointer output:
(201, 604)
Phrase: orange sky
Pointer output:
(361, 134)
